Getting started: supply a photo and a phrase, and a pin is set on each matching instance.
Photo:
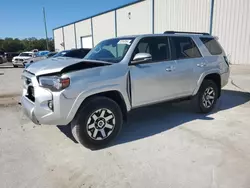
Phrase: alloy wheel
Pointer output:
(208, 97)
(100, 124)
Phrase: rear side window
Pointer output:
(156, 46)
(212, 45)
(183, 48)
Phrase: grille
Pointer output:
(27, 81)
(30, 93)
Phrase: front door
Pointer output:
(153, 81)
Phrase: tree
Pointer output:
(17, 45)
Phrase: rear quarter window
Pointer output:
(212, 45)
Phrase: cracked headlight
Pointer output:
(54, 83)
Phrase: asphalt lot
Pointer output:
(165, 145)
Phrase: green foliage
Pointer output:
(17, 45)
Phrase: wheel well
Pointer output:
(117, 97)
(217, 80)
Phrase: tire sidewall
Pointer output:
(86, 112)
(206, 84)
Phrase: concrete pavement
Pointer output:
(164, 145)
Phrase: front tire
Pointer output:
(206, 98)
(97, 123)
(15, 66)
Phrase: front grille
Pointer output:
(21, 60)
(30, 93)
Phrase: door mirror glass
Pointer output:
(142, 58)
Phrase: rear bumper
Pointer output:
(225, 78)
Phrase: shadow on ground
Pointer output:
(151, 120)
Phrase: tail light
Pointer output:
(226, 60)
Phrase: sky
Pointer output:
(24, 18)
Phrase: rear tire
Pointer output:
(15, 66)
(206, 98)
(98, 121)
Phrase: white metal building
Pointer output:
(227, 19)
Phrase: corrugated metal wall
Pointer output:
(103, 27)
(135, 19)
(83, 29)
(58, 39)
(231, 24)
(181, 15)
(69, 37)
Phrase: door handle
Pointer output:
(201, 65)
(171, 68)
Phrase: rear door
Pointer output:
(153, 81)
(187, 56)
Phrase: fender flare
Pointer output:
(86, 94)
(202, 77)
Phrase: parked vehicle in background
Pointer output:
(2, 57)
(75, 53)
(51, 54)
(9, 55)
(95, 94)
(43, 53)
(27, 57)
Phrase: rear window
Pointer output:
(80, 53)
(212, 45)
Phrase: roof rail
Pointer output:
(184, 32)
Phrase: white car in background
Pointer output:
(27, 57)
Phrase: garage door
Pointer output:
(86, 42)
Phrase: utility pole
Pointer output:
(45, 27)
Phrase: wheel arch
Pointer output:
(214, 76)
(112, 94)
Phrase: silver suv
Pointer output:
(96, 93)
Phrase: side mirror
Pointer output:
(141, 58)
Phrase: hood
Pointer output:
(21, 57)
(62, 64)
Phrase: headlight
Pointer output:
(54, 83)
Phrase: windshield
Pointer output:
(26, 54)
(112, 50)
(60, 54)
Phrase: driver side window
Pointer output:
(156, 46)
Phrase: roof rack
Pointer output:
(174, 32)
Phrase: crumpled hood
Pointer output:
(59, 64)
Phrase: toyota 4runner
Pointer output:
(95, 94)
